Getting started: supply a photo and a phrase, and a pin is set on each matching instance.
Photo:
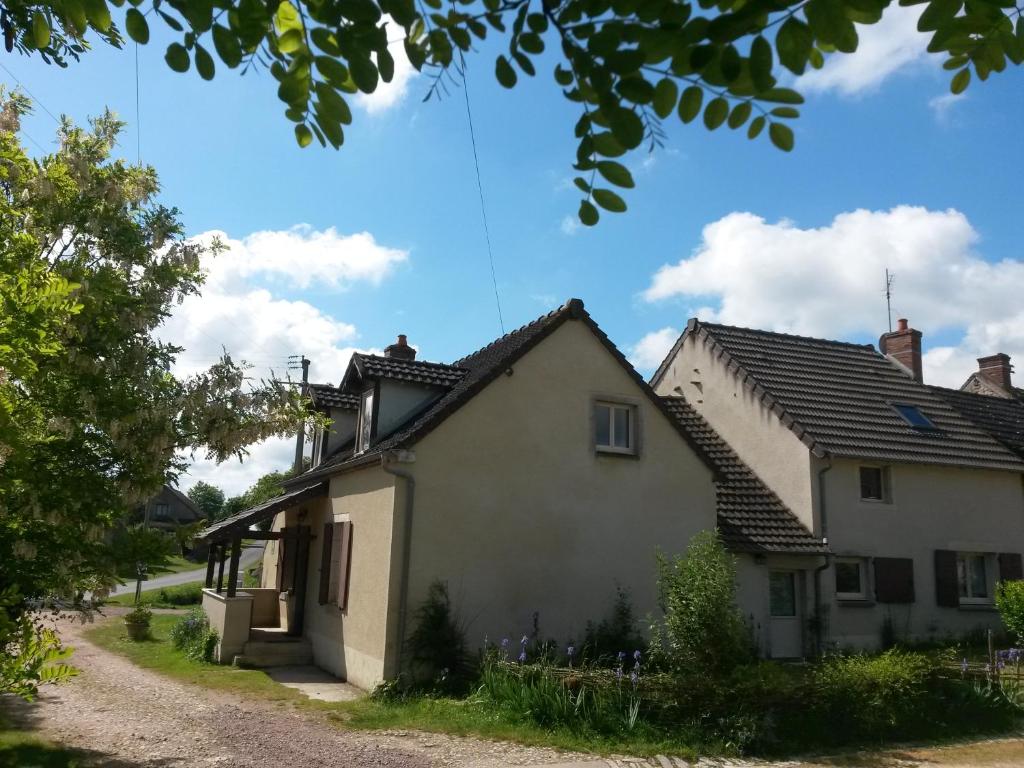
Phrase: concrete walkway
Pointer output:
(251, 553)
(314, 683)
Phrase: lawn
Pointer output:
(177, 564)
(164, 597)
(22, 749)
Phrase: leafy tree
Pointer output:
(1010, 601)
(264, 489)
(92, 421)
(209, 498)
(628, 64)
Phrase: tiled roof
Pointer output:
(837, 397)
(751, 518)
(326, 396)
(238, 524)
(420, 372)
(478, 370)
(1001, 417)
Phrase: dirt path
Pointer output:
(122, 716)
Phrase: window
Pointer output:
(782, 593)
(972, 577)
(334, 564)
(874, 484)
(615, 428)
(365, 422)
(161, 512)
(851, 581)
(913, 416)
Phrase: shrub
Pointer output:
(438, 643)
(194, 637)
(182, 594)
(619, 632)
(702, 633)
(1010, 601)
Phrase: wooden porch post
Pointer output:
(236, 554)
(301, 566)
(220, 569)
(210, 560)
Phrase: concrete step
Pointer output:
(271, 635)
(276, 653)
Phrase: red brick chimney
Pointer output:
(400, 350)
(996, 369)
(904, 346)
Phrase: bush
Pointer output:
(603, 641)
(438, 644)
(194, 637)
(182, 594)
(1010, 601)
(702, 633)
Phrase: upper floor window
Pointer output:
(972, 577)
(913, 416)
(365, 432)
(874, 484)
(161, 511)
(615, 427)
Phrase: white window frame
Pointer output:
(862, 565)
(364, 419)
(988, 561)
(612, 406)
(886, 478)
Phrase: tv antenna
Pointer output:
(889, 276)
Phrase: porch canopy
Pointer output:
(233, 529)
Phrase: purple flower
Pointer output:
(636, 656)
(622, 656)
(964, 666)
(522, 657)
(618, 673)
(504, 642)
(571, 650)
(634, 678)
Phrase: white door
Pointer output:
(784, 632)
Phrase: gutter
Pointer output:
(823, 516)
(410, 492)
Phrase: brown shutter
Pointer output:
(894, 579)
(344, 564)
(288, 560)
(1010, 567)
(947, 591)
(325, 564)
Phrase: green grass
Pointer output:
(176, 596)
(177, 564)
(25, 749)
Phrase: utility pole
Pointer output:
(301, 436)
(888, 295)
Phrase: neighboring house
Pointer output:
(169, 510)
(533, 476)
(917, 490)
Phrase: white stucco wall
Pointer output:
(768, 447)
(518, 514)
(399, 400)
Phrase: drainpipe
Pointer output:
(410, 491)
(823, 517)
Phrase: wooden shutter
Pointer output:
(1010, 567)
(894, 579)
(947, 591)
(344, 564)
(288, 561)
(325, 564)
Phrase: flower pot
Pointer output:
(137, 630)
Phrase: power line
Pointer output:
(31, 95)
(480, 189)
(138, 115)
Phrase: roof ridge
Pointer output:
(798, 337)
(570, 305)
(400, 361)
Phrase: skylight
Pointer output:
(913, 416)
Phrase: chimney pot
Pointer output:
(996, 369)
(400, 350)
(904, 346)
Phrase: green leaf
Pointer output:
(98, 14)
(782, 96)
(359, 11)
(827, 20)
(226, 45)
(563, 76)
(636, 89)
(364, 73)
(204, 63)
(794, 43)
(332, 105)
(715, 113)
(291, 41)
(287, 19)
(960, 80)
(607, 145)
(616, 173)
(303, 135)
(609, 200)
(755, 127)
(177, 57)
(665, 94)
(136, 26)
(627, 127)
(690, 103)
(730, 63)
(504, 72)
(40, 30)
(785, 112)
(332, 70)
(588, 213)
(582, 184)
(781, 136)
(761, 63)
(740, 114)
(938, 14)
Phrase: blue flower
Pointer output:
(571, 650)
(964, 666)
(522, 657)
(622, 656)
(504, 642)
(636, 656)
(634, 678)
(524, 641)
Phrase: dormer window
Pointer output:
(365, 431)
(913, 416)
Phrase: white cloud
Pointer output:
(388, 95)
(829, 282)
(647, 354)
(885, 48)
(941, 105)
(570, 225)
(238, 313)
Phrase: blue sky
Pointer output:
(385, 236)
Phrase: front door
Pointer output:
(784, 632)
